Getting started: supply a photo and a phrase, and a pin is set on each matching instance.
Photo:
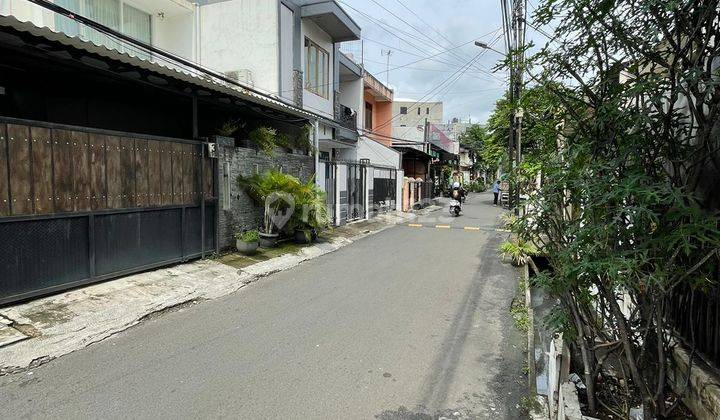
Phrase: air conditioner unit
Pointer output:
(242, 76)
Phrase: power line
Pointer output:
(389, 29)
(431, 92)
(416, 29)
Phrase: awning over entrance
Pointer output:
(157, 70)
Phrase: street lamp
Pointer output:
(487, 47)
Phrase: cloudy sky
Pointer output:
(429, 27)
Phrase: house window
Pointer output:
(317, 71)
(111, 13)
(427, 111)
(403, 110)
(368, 115)
(136, 23)
(418, 110)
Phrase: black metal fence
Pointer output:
(88, 205)
(428, 192)
(696, 317)
(384, 190)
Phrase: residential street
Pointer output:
(410, 321)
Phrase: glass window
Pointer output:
(317, 62)
(137, 24)
(368, 115)
(418, 110)
(403, 110)
(64, 24)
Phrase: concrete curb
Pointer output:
(70, 321)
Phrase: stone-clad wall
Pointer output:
(237, 210)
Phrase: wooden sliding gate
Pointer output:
(79, 205)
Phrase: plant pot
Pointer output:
(247, 248)
(303, 236)
(268, 240)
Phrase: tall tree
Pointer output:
(627, 211)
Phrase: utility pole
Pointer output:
(387, 65)
(518, 26)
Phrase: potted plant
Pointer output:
(310, 215)
(265, 139)
(247, 241)
(274, 191)
(225, 132)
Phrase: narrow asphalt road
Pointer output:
(410, 323)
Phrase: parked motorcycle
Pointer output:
(454, 208)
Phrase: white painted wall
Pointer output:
(175, 34)
(351, 95)
(377, 153)
(286, 52)
(242, 34)
(399, 190)
(311, 101)
(410, 126)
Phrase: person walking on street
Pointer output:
(496, 192)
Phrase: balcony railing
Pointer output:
(347, 117)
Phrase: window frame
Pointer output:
(368, 123)
(83, 32)
(316, 84)
(403, 110)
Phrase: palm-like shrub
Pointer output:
(280, 193)
(310, 207)
(274, 190)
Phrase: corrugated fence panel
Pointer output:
(42, 170)
(141, 173)
(81, 172)
(98, 192)
(20, 178)
(4, 185)
(63, 171)
(130, 240)
(42, 254)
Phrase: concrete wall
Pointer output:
(176, 34)
(242, 35)
(311, 101)
(351, 95)
(410, 126)
(286, 51)
(237, 210)
(381, 114)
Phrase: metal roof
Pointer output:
(170, 69)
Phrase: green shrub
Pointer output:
(248, 236)
(265, 139)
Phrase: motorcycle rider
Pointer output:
(457, 193)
